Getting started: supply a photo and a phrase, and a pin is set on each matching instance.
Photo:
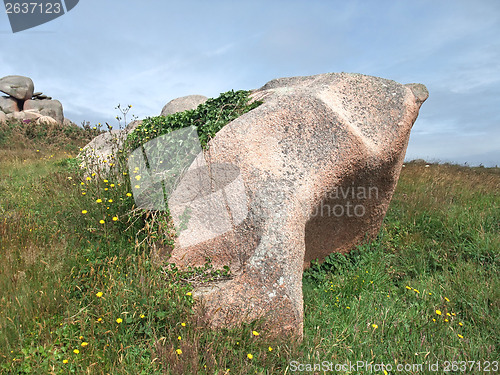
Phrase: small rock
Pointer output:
(46, 120)
(183, 103)
(98, 153)
(8, 104)
(68, 122)
(105, 146)
(3, 117)
(132, 126)
(23, 116)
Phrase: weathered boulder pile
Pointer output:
(23, 104)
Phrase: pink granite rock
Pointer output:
(23, 116)
(51, 108)
(309, 172)
(8, 104)
(18, 87)
(183, 103)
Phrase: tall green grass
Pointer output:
(81, 296)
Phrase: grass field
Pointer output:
(78, 294)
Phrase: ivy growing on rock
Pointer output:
(208, 118)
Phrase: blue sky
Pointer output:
(145, 53)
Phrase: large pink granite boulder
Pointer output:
(309, 172)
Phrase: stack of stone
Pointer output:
(41, 96)
(23, 104)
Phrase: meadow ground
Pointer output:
(80, 294)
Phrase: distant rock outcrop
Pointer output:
(22, 104)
